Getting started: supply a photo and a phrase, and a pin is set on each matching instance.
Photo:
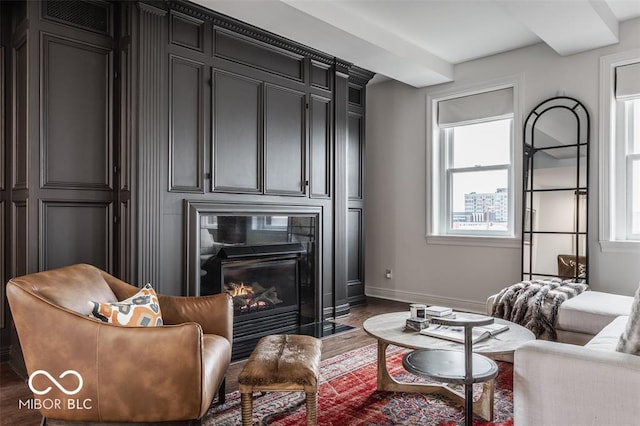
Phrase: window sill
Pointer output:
(450, 240)
(620, 246)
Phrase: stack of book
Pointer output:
(421, 323)
(439, 312)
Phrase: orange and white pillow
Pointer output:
(140, 310)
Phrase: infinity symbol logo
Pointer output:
(55, 382)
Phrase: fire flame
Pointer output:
(239, 290)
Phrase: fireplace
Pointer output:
(267, 262)
(263, 280)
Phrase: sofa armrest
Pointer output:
(562, 384)
(214, 313)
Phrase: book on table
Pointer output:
(437, 311)
(456, 334)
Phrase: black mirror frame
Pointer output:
(529, 149)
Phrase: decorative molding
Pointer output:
(342, 68)
(360, 76)
(249, 31)
(153, 8)
(151, 134)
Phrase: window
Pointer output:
(629, 161)
(472, 152)
(620, 155)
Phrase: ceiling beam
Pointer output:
(333, 29)
(568, 27)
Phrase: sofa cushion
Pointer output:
(630, 339)
(591, 311)
(609, 336)
(141, 310)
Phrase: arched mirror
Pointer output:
(554, 217)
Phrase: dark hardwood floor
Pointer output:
(13, 388)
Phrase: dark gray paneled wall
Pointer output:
(118, 112)
(58, 155)
(259, 120)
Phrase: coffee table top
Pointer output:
(390, 328)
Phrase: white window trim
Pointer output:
(607, 121)
(432, 235)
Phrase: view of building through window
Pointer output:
(479, 176)
(485, 211)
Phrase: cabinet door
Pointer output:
(237, 165)
(319, 146)
(284, 141)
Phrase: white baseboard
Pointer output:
(412, 297)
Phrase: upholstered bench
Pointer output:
(282, 363)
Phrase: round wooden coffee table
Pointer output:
(389, 329)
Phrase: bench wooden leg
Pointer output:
(312, 408)
(246, 404)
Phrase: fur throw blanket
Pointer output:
(534, 304)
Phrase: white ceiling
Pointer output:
(419, 41)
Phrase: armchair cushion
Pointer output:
(141, 310)
(630, 339)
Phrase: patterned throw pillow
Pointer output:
(630, 340)
(140, 310)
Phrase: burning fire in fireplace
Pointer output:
(252, 297)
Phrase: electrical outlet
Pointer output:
(387, 274)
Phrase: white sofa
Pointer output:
(582, 317)
(564, 383)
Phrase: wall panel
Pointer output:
(237, 133)
(355, 156)
(76, 114)
(19, 235)
(187, 31)
(75, 232)
(354, 246)
(320, 146)
(284, 141)
(253, 53)
(186, 137)
(20, 150)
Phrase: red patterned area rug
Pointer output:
(348, 396)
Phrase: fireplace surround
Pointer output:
(266, 257)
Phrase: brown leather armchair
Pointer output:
(128, 374)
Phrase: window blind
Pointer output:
(628, 81)
(480, 106)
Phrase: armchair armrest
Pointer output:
(562, 384)
(214, 313)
